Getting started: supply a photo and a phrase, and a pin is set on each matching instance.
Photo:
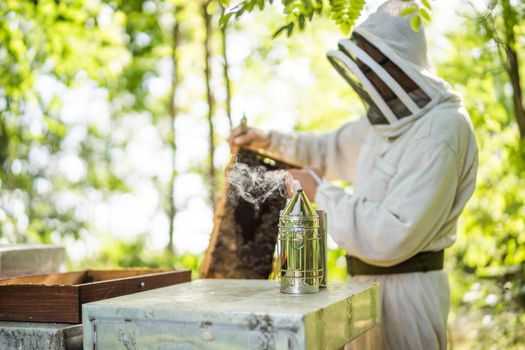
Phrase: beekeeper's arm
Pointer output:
(418, 200)
(334, 154)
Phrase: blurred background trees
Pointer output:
(488, 286)
(114, 115)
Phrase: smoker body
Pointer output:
(232, 314)
(300, 250)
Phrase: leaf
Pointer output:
(212, 7)
(56, 127)
(301, 21)
(345, 28)
(279, 31)
(345, 13)
(239, 13)
(311, 15)
(408, 11)
(424, 13)
(224, 3)
(426, 3)
(225, 18)
(307, 6)
(289, 29)
(415, 23)
(248, 6)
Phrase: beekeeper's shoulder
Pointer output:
(448, 123)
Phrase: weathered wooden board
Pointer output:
(243, 239)
(59, 297)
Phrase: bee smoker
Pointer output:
(301, 247)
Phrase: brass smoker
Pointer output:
(301, 247)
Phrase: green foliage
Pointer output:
(488, 282)
(337, 266)
(419, 12)
(115, 47)
(485, 311)
(57, 40)
(496, 214)
(296, 13)
(115, 253)
(345, 13)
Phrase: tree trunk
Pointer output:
(517, 95)
(210, 99)
(511, 20)
(173, 110)
(226, 73)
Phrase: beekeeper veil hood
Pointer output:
(386, 63)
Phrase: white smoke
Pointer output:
(255, 184)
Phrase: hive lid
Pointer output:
(299, 205)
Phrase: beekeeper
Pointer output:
(412, 161)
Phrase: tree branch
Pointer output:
(226, 73)
(173, 110)
(209, 97)
(510, 21)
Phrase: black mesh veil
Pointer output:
(384, 91)
(353, 81)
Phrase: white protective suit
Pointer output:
(411, 176)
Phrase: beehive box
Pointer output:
(232, 314)
(30, 259)
(59, 297)
(40, 336)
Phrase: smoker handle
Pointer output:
(323, 246)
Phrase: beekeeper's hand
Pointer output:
(309, 181)
(256, 138)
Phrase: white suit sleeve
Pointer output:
(334, 153)
(418, 199)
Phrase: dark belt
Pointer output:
(422, 262)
